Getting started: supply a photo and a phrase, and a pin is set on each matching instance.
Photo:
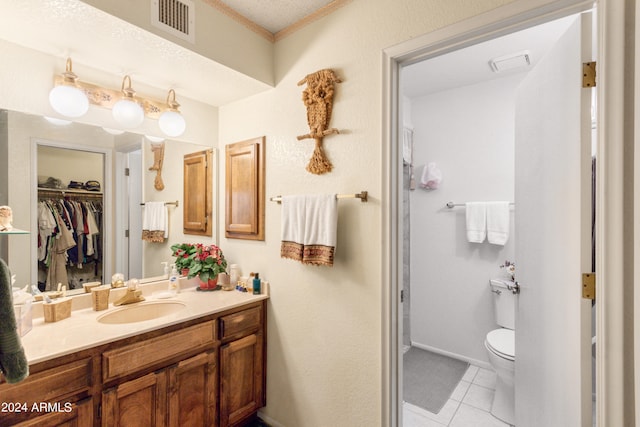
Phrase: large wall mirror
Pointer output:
(51, 163)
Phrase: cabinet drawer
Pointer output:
(240, 323)
(137, 356)
(50, 385)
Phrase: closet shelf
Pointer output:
(63, 191)
(14, 231)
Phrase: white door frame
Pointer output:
(611, 322)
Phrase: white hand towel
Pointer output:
(498, 222)
(155, 222)
(321, 220)
(476, 221)
(309, 228)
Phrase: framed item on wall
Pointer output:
(244, 189)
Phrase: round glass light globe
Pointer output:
(68, 101)
(172, 123)
(128, 114)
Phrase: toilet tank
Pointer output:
(504, 303)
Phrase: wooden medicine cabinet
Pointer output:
(244, 189)
(198, 193)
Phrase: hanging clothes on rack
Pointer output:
(69, 238)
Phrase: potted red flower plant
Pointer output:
(184, 254)
(208, 261)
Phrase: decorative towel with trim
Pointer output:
(309, 228)
(476, 221)
(13, 361)
(155, 222)
(498, 222)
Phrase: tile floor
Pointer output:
(468, 405)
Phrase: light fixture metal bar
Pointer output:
(106, 98)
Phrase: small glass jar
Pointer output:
(234, 275)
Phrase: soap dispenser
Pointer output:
(165, 269)
(174, 283)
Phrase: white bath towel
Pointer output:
(498, 222)
(155, 222)
(309, 228)
(476, 221)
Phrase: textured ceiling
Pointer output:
(276, 15)
(275, 19)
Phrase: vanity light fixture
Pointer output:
(171, 121)
(127, 112)
(71, 97)
(67, 98)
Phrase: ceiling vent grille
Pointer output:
(176, 17)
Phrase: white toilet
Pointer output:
(500, 344)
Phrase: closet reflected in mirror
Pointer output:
(70, 217)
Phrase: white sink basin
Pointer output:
(139, 312)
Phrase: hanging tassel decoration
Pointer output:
(318, 98)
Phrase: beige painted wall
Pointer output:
(324, 330)
(217, 36)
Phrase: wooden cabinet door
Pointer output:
(241, 379)
(192, 392)
(198, 193)
(141, 402)
(244, 190)
(78, 414)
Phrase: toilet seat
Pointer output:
(502, 342)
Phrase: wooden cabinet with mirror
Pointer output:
(198, 193)
(244, 189)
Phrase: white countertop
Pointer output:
(82, 330)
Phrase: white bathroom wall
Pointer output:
(469, 133)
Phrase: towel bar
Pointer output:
(451, 205)
(363, 196)
(166, 203)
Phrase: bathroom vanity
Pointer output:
(201, 365)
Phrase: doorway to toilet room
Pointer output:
(482, 134)
(128, 221)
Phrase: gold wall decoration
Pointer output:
(318, 98)
(158, 157)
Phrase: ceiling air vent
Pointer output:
(511, 62)
(176, 17)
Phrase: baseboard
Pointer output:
(471, 361)
(269, 420)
